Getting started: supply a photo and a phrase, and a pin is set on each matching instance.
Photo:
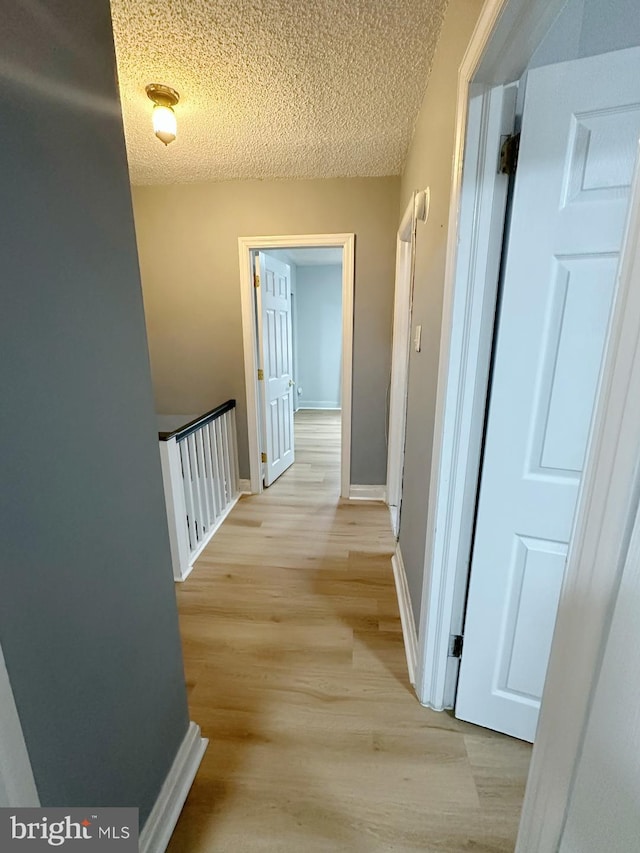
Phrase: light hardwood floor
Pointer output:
(296, 673)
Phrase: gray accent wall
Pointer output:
(88, 620)
(188, 246)
(319, 336)
(429, 164)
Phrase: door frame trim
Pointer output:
(469, 309)
(246, 245)
(417, 210)
(504, 40)
(506, 36)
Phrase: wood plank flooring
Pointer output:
(296, 673)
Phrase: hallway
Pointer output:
(296, 672)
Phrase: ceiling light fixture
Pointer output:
(164, 119)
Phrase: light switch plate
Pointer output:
(418, 338)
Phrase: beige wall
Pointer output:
(429, 164)
(188, 246)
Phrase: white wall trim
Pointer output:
(417, 208)
(164, 815)
(407, 621)
(504, 40)
(462, 393)
(17, 785)
(368, 493)
(245, 245)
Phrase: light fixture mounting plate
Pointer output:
(163, 96)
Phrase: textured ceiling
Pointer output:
(274, 88)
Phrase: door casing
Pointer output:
(417, 210)
(506, 36)
(246, 245)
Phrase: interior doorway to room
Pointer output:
(570, 202)
(297, 300)
(299, 325)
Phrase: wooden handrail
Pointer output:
(186, 430)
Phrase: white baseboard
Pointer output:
(367, 493)
(327, 405)
(164, 815)
(188, 570)
(406, 614)
(245, 487)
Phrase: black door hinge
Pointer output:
(455, 645)
(509, 154)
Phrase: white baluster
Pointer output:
(200, 475)
(227, 458)
(188, 494)
(205, 498)
(220, 454)
(195, 486)
(171, 465)
(234, 454)
(216, 466)
(212, 487)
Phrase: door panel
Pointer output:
(275, 350)
(580, 132)
(581, 297)
(537, 568)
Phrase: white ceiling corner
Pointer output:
(274, 88)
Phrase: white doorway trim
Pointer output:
(462, 391)
(505, 38)
(17, 785)
(417, 209)
(246, 245)
(501, 46)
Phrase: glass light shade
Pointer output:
(164, 123)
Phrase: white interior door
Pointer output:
(276, 357)
(580, 133)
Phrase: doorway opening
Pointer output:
(297, 315)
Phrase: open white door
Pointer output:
(275, 355)
(580, 132)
